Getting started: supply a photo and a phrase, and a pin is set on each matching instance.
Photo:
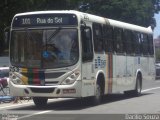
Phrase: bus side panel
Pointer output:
(119, 73)
(147, 67)
(130, 73)
(152, 72)
(114, 79)
(110, 84)
(109, 71)
(87, 79)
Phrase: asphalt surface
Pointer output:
(113, 107)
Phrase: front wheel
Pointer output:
(98, 95)
(40, 101)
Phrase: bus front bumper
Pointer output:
(65, 91)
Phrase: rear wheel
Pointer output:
(138, 88)
(40, 101)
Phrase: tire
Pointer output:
(138, 87)
(40, 101)
(98, 95)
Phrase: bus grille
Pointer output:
(49, 83)
(42, 90)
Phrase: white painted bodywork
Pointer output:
(124, 68)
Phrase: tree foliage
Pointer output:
(138, 12)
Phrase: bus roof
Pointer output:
(97, 19)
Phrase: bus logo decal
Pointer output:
(99, 63)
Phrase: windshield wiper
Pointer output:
(53, 35)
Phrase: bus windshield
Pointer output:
(52, 48)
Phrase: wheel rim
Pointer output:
(98, 93)
(138, 87)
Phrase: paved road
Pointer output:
(113, 107)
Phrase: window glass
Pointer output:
(144, 42)
(87, 49)
(151, 48)
(129, 41)
(118, 40)
(4, 73)
(53, 48)
(108, 38)
(136, 42)
(97, 37)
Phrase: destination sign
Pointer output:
(44, 20)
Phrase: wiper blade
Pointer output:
(53, 35)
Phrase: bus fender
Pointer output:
(138, 72)
(97, 75)
(100, 79)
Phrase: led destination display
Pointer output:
(44, 20)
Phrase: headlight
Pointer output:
(16, 80)
(71, 78)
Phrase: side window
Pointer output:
(129, 41)
(140, 43)
(87, 49)
(136, 42)
(108, 38)
(97, 37)
(118, 43)
(150, 41)
(144, 42)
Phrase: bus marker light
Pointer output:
(58, 91)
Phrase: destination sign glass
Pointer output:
(45, 20)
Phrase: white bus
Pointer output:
(70, 54)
